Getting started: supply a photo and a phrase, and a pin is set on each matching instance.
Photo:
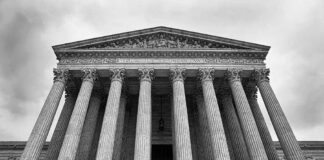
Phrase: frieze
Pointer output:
(161, 41)
(231, 61)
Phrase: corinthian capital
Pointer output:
(89, 74)
(177, 74)
(233, 74)
(61, 75)
(118, 74)
(260, 75)
(206, 74)
(146, 74)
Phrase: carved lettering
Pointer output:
(80, 61)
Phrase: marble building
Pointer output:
(161, 93)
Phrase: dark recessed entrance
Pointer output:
(162, 152)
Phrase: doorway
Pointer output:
(162, 152)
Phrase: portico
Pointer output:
(130, 95)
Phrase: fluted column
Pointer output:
(120, 128)
(280, 123)
(233, 125)
(249, 128)
(44, 121)
(109, 124)
(54, 147)
(180, 116)
(89, 126)
(215, 124)
(74, 130)
(251, 93)
(144, 117)
(205, 138)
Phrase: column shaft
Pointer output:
(109, 125)
(144, 117)
(61, 126)
(280, 123)
(263, 130)
(228, 139)
(249, 128)
(89, 127)
(205, 137)
(218, 138)
(44, 121)
(74, 130)
(120, 129)
(234, 128)
(180, 117)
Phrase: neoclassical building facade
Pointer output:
(161, 93)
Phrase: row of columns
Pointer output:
(73, 135)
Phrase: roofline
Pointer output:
(159, 29)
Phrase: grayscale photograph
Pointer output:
(161, 80)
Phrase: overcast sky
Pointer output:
(294, 29)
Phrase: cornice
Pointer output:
(161, 53)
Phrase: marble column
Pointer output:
(44, 121)
(280, 123)
(72, 136)
(180, 116)
(89, 126)
(206, 148)
(233, 125)
(109, 124)
(248, 125)
(214, 119)
(251, 93)
(54, 147)
(120, 127)
(144, 116)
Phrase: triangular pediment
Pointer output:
(160, 38)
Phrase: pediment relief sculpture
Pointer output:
(161, 41)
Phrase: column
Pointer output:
(214, 119)
(44, 121)
(120, 128)
(280, 123)
(206, 148)
(250, 131)
(233, 125)
(251, 93)
(89, 126)
(74, 130)
(109, 124)
(58, 136)
(180, 116)
(144, 116)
